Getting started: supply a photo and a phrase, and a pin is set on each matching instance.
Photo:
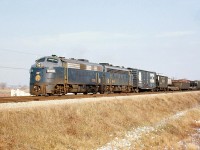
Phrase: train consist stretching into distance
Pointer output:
(54, 75)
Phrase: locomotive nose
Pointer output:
(36, 81)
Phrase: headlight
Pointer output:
(38, 65)
(51, 70)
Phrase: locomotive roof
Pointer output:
(79, 61)
(161, 75)
(83, 61)
(141, 70)
(116, 68)
(86, 62)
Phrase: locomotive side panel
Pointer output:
(76, 76)
(117, 79)
(117, 76)
(82, 76)
(120, 79)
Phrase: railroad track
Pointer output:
(43, 98)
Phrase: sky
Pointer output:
(155, 35)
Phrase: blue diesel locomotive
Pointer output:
(56, 75)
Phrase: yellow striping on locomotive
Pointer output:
(37, 78)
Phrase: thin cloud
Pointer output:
(86, 39)
(175, 34)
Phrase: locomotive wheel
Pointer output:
(101, 92)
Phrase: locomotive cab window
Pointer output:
(53, 60)
(41, 60)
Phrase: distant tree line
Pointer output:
(3, 85)
(23, 87)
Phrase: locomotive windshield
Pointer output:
(41, 60)
(53, 60)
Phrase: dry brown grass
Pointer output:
(89, 125)
(175, 134)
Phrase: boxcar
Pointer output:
(198, 84)
(195, 85)
(143, 80)
(161, 83)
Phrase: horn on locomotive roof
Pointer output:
(106, 64)
(85, 60)
(62, 57)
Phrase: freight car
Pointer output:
(171, 87)
(181, 84)
(56, 75)
(143, 80)
(161, 83)
(195, 85)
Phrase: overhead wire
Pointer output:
(5, 67)
(19, 52)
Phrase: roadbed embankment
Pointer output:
(90, 123)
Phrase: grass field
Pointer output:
(158, 121)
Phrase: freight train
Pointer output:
(52, 75)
